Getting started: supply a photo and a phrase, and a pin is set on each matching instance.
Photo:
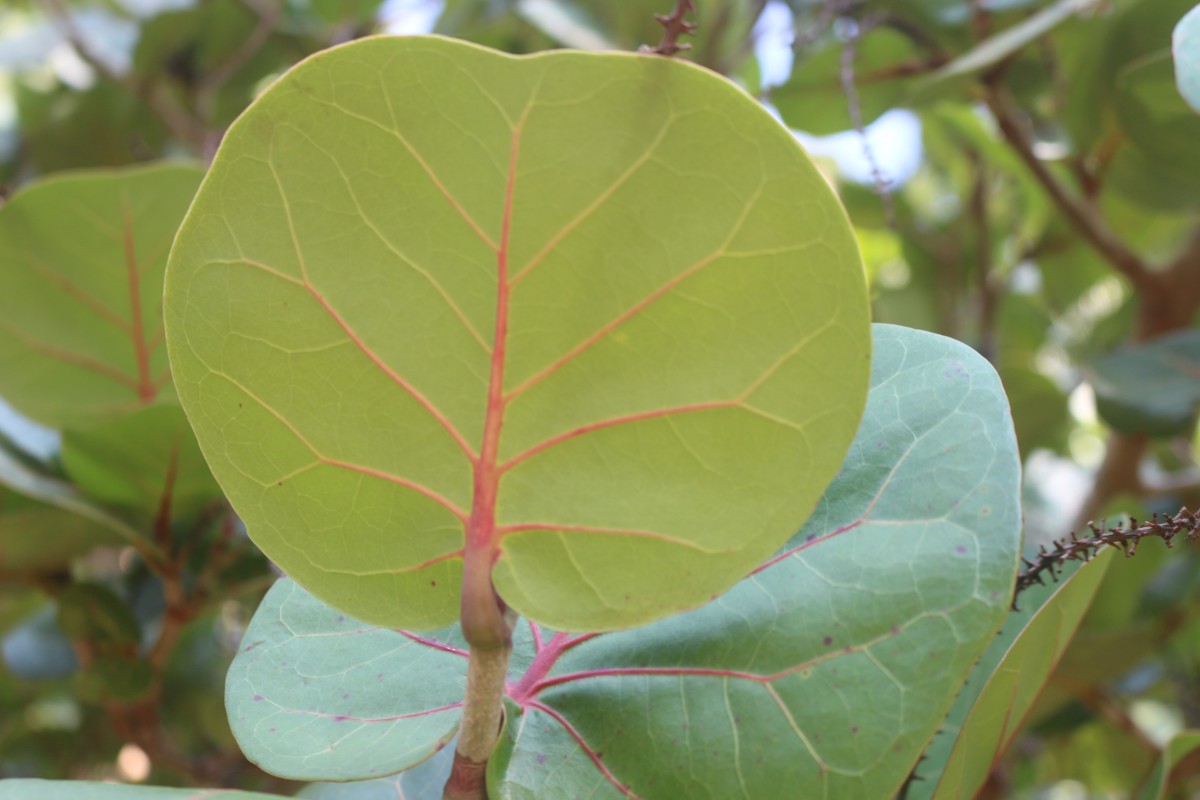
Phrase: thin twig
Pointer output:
(1085, 220)
(990, 293)
(674, 26)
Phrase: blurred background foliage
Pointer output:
(1023, 176)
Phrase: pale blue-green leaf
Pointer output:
(423, 782)
(1185, 44)
(29, 789)
(1153, 388)
(315, 695)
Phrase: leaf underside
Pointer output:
(593, 317)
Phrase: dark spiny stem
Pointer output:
(674, 26)
(1127, 537)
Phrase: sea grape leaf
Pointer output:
(25, 481)
(1010, 690)
(316, 695)
(573, 334)
(1040, 411)
(1152, 388)
(166, 465)
(423, 782)
(1183, 745)
(1155, 118)
(26, 788)
(81, 267)
(39, 538)
(826, 669)
(1185, 46)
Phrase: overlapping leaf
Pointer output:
(316, 695)
(569, 310)
(826, 670)
(1010, 678)
(81, 269)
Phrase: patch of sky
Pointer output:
(409, 17)
(894, 140)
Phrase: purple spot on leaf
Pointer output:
(258, 698)
(960, 549)
(541, 759)
(828, 640)
(346, 696)
(854, 729)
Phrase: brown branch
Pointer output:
(990, 293)
(1050, 561)
(1085, 220)
(674, 26)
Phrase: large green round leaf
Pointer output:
(826, 670)
(81, 269)
(595, 317)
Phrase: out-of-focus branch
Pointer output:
(1086, 221)
(207, 94)
(854, 107)
(177, 119)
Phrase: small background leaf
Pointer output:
(81, 268)
(1152, 388)
(1183, 746)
